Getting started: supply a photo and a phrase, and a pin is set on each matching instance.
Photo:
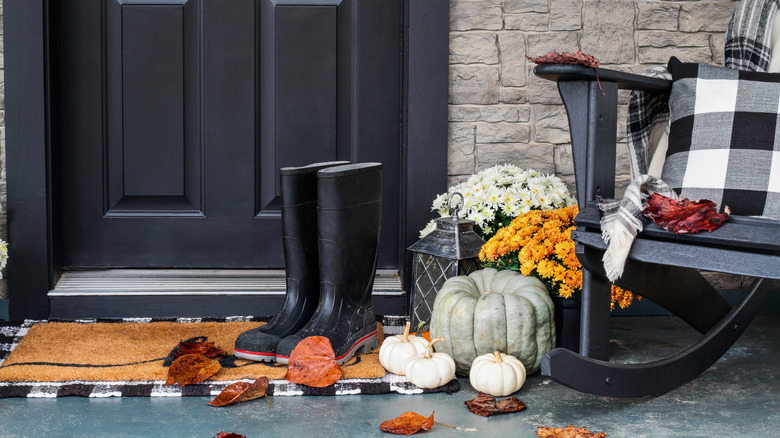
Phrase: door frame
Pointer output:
(32, 156)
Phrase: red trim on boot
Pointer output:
(253, 353)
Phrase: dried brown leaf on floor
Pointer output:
(229, 435)
(684, 216)
(566, 58)
(487, 405)
(190, 369)
(205, 348)
(407, 423)
(313, 363)
(568, 432)
(240, 392)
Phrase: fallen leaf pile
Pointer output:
(568, 432)
(313, 363)
(195, 363)
(242, 391)
(487, 405)
(684, 216)
(566, 58)
(407, 423)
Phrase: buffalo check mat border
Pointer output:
(11, 333)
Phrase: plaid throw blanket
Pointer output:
(748, 47)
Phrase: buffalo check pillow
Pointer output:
(724, 137)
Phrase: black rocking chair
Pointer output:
(662, 266)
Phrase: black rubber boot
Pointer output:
(299, 238)
(349, 208)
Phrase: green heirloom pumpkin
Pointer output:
(493, 310)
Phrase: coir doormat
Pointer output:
(127, 358)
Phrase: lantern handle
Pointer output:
(456, 208)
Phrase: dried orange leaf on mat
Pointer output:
(684, 216)
(566, 58)
(568, 432)
(313, 363)
(487, 405)
(190, 369)
(206, 348)
(229, 435)
(240, 392)
(407, 424)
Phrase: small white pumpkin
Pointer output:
(430, 370)
(497, 374)
(395, 350)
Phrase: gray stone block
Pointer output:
(564, 161)
(543, 43)
(565, 14)
(473, 47)
(552, 124)
(672, 39)
(661, 55)
(513, 95)
(528, 22)
(461, 149)
(503, 133)
(541, 90)
(497, 113)
(711, 16)
(475, 85)
(513, 60)
(608, 30)
(476, 14)
(526, 156)
(657, 15)
(519, 6)
(717, 43)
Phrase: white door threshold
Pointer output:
(187, 282)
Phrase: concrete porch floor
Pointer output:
(738, 396)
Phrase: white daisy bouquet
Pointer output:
(495, 196)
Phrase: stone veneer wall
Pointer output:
(500, 112)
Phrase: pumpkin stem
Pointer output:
(405, 338)
(428, 352)
(498, 356)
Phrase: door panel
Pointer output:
(299, 56)
(154, 147)
(177, 114)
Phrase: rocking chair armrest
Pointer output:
(741, 233)
(625, 81)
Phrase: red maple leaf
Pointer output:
(684, 216)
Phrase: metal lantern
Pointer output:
(448, 251)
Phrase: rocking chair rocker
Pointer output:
(661, 266)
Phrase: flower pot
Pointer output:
(567, 322)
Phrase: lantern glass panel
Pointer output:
(430, 273)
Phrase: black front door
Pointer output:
(175, 116)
